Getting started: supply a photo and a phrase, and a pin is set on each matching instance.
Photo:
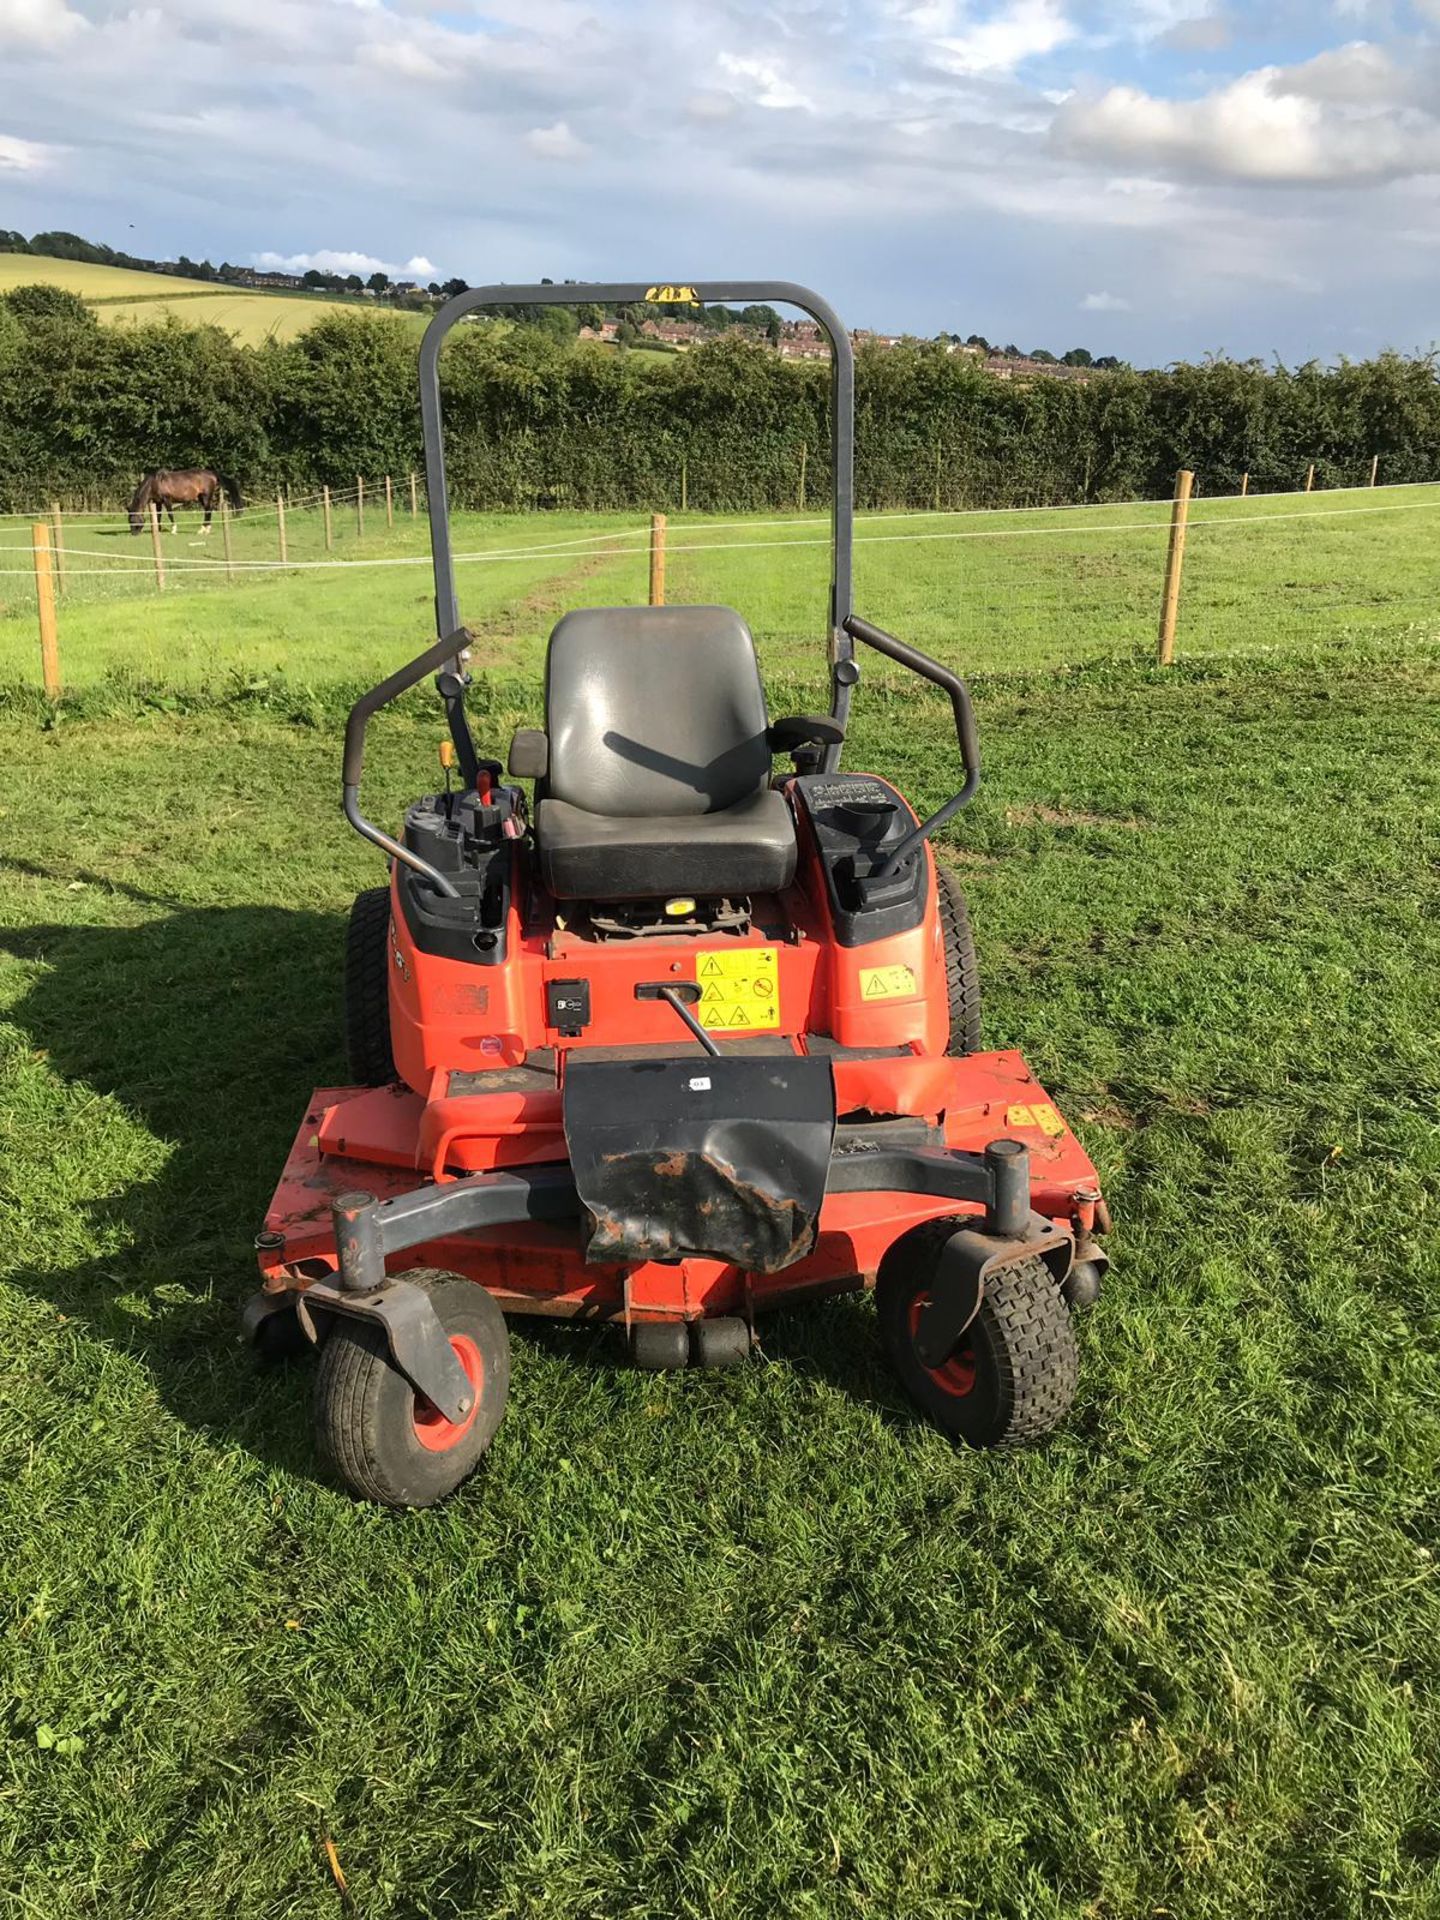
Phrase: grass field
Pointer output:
(993, 590)
(750, 1644)
(121, 295)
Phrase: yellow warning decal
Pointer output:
(887, 983)
(673, 296)
(740, 991)
(1041, 1115)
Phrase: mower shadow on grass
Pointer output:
(208, 1027)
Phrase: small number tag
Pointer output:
(699, 1085)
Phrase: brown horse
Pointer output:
(182, 487)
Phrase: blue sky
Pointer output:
(1154, 178)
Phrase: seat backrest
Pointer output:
(654, 710)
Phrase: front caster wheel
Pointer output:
(380, 1437)
(1012, 1376)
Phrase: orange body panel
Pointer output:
(454, 1017)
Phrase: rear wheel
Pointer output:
(384, 1440)
(367, 989)
(962, 970)
(1011, 1376)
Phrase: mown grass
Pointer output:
(757, 1643)
(1000, 590)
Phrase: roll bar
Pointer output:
(698, 293)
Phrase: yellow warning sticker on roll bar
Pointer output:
(740, 990)
(887, 983)
(673, 296)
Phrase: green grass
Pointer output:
(758, 1643)
(988, 591)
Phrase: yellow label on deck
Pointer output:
(887, 983)
(739, 991)
(1041, 1115)
(670, 296)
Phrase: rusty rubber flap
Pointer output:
(723, 1157)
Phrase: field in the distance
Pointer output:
(750, 1644)
(121, 295)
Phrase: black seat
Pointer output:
(658, 770)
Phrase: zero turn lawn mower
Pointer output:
(686, 1037)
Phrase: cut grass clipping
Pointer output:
(753, 1643)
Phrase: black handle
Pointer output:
(361, 714)
(966, 732)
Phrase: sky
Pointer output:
(1152, 178)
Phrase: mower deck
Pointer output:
(386, 1141)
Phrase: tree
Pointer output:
(1077, 357)
(378, 282)
(452, 287)
(591, 315)
(12, 242)
(1107, 363)
(979, 340)
(353, 282)
(49, 305)
(1043, 357)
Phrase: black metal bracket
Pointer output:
(368, 1231)
(418, 1343)
(968, 1260)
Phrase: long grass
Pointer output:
(757, 1643)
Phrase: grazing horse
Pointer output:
(183, 487)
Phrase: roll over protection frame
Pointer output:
(697, 293)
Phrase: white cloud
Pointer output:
(407, 58)
(763, 84)
(555, 143)
(1104, 303)
(1000, 44)
(336, 260)
(24, 156)
(38, 23)
(1327, 121)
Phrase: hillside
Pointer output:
(122, 296)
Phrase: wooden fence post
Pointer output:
(800, 489)
(1374, 469)
(389, 504)
(59, 547)
(45, 599)
(657, 559)
(1244, 483)
(1174, 566)
(359, 506)
(225, 540)
(329, 529)
(1310, 479)
(414, 501)
(280, 525)
(155, 548)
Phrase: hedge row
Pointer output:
(84, 409)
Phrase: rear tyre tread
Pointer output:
(962, 969)
(367, 989)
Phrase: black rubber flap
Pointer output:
(715, 1156)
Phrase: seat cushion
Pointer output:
(749, 848)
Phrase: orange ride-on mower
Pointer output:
(687, 1037)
